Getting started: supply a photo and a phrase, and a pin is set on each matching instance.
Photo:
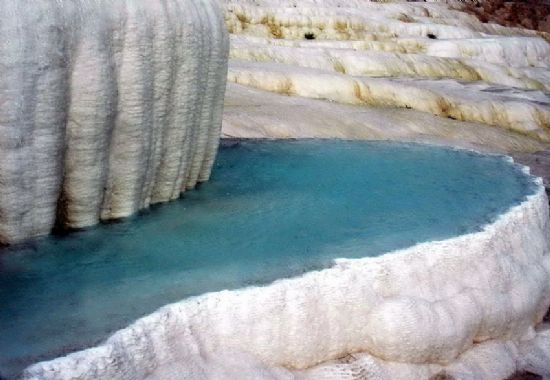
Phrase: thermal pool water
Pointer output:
(273, 209)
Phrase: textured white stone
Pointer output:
(468, 306)
(425, 56)
(106, 107)
(391, 59)
(510, 51)
(356, 20)
(456, 305)
(525, 112)
(252, 113)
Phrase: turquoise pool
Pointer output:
(272, 209)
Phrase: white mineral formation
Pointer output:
(105, 107)
(252, 113)
(524, 112)
(468, 306)
(418, 56)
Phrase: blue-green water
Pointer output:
(271, 210)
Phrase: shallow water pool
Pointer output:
(272, 209)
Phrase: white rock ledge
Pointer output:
(466, 305)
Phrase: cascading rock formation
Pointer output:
(106, 107)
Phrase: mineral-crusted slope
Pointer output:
(106, 107)
(415, 55)
(252, 113)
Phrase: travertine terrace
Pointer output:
(395, 63)
(107, 107)
(468, 307)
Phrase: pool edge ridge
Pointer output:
(491, 289)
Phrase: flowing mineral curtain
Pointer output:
(106, 107)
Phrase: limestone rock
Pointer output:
(106, 107)
(418, 56)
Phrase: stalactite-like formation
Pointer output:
(106, 106)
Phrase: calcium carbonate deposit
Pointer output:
(468, 305)
(411, 71)
(106, 107)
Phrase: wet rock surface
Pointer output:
(539, 164)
